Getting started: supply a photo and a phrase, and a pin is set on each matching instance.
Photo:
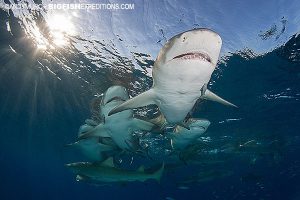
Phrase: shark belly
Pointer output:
(175, 113)
(94, 150)
(177, 102)
(121, 134)
(178, 87)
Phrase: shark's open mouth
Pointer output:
(194, 55)
(115, 98)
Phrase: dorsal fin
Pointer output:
(109, 162)
(141, 169)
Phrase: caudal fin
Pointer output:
(143, 99)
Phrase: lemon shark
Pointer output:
(94, 149)
(107, 172)
(85, 128)
(180, 74)
(121, 126)
(182, 137)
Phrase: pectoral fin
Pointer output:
(99, 131)
(208, 95)
(143, 99)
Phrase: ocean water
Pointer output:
(53, 62)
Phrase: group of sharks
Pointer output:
(180, 74)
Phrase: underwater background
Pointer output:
(54, 62)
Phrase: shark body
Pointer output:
(93, 148)
(107, 172)
(121, 126)
(180, 74)
(182, 137)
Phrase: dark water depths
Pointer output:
(45, 95)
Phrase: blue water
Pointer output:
(46, 95)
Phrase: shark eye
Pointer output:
(184, 38)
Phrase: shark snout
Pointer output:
(70, 165)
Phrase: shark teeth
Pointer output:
(194, 55)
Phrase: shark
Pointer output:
(107, 172)
(182, 137)
(94, 148)
(85, 128)
(121, 126)
(181, 74)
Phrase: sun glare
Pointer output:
(35, 33)
(60, 27)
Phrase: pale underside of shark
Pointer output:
(107, 172)
(119, 127)
(181, 73)
(94, 149)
